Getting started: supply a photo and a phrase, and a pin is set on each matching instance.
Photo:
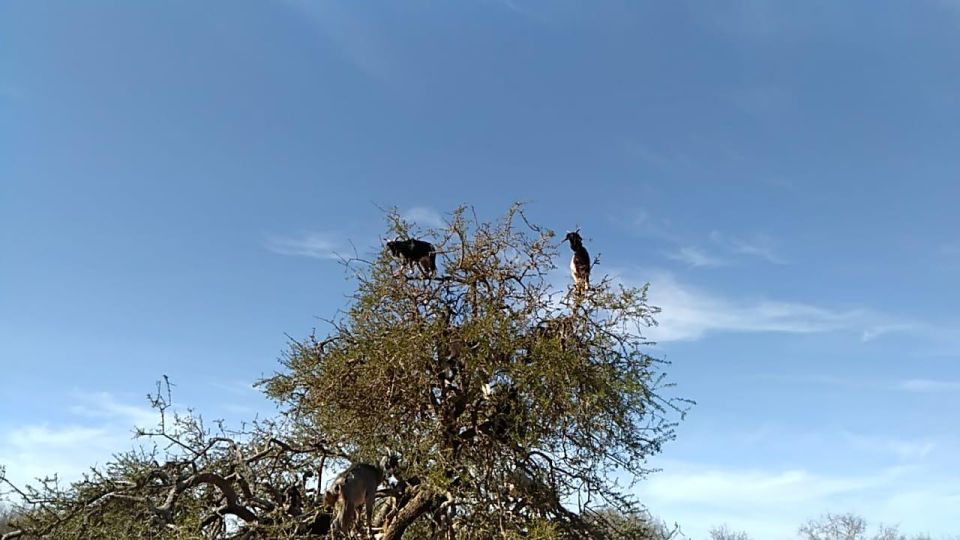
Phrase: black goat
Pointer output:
(415, 252)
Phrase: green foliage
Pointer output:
(496, 388)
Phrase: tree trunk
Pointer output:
(424, 501)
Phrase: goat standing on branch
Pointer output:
(580, 262)
(415, 252)
(354, 488)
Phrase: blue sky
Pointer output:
(174, 177)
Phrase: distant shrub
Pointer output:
(724, 533)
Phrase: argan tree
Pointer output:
(509, 405)
(513, 404)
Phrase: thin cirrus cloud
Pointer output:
(647, 225)
(903, 449)
(759, 245)
(326, 245)
(34, 436)
(99, 425)
(919, 386)
(870, 334)
(724, 249)
(772, 503)
(316, 245)
(689, 313)
(423, 216)
(754, 488)
(929, 386)
(105, 406)
(695, 257)
(95, 426)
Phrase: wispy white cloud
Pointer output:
(695, 257)
(773, 502)
(242, 400)
(758, 245)
(753, 488)
(929, 386)
(236, 387)
(690, 313)
(99, 425)
(766, 503)
(870, 334)
(423, 216)
(903, 449)
(96, 425)
(317, 245)
(817, 379)
(649, 226)
(106, 406)
(40, 451)
(30, 437)
(725, 248)
(861, 383)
